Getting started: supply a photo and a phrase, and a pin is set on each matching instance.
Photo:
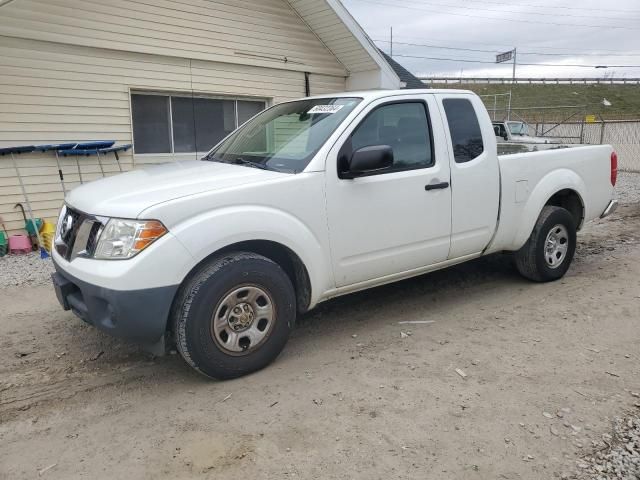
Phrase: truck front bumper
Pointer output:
(138, 315)
(126, 298)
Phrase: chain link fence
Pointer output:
(623, 135)
(573, 125)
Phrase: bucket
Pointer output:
(19, 244)
(47, 234)
(29, 227)
(48, 227)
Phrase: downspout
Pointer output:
(307, 85)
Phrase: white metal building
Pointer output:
(171, 77)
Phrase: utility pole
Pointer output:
(503, 58)
(391, 43)
(513, 81)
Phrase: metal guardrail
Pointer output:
(509, 80)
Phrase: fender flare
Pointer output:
(244, 223)
(547, 187)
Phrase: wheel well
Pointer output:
(571, 201)
(283, 256)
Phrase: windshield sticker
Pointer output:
(325, 109)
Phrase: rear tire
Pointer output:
(549, 250)
(234, 315)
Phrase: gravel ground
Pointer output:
(35, 375)
(628, 187)
(620, 457)
(547, 367)
(25, 270)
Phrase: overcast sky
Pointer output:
(576, 32)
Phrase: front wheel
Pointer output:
(234, 315)
(549, 250)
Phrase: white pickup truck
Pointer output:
(517, 132)
(309, 200)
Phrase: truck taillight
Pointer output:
(614, 168)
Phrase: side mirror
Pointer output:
(505, 136)
(367, 160)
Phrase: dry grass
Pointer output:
(625, 99)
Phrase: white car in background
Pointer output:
(518, 132)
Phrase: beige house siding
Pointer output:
(245, 32)
(70, 83)
(339, 39)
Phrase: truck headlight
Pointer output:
(122, 239)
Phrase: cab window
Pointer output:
(464, 128)
(402, 126)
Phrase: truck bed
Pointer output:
(529, 179)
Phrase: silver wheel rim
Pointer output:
(243, 319)
(556, 246)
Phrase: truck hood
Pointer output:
(128, 194)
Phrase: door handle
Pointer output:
(436, 186)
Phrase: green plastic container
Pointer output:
(30, 228)
(3, 244)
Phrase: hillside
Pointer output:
(625, 99)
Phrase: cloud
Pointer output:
(430, 22)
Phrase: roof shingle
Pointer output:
(406, 77)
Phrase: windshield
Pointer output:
(517, 128)
(285, 137)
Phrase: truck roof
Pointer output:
(375, 94)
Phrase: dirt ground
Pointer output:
(355, 394)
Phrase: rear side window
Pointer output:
(464, 128)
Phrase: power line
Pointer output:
(563, 54)
(443, 12)
(501, 46)
(464, 60)
(610, 10)
(438, 46)
(567, 54)
(448, 5)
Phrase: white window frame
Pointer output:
(186, 94)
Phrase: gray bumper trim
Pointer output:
(138, 315)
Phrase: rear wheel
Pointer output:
(549, 250)
(234, 316)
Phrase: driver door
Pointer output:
(396, 220)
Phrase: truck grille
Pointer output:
(77, 234)
(92, 241)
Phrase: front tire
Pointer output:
(549, 250)
(234, 315)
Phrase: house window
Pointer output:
(185, 124)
